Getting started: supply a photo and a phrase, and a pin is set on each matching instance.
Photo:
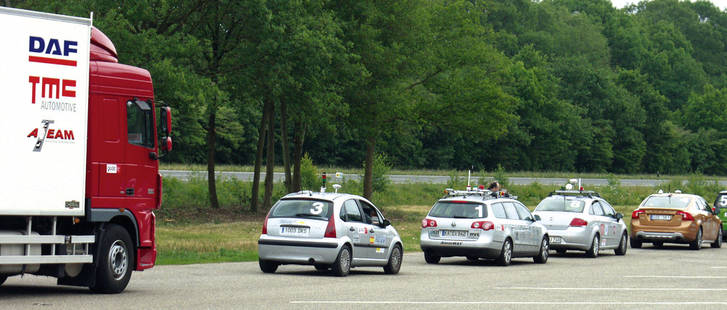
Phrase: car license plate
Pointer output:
(453, 233)
(294, 230)
(660, 217)
(556, 240)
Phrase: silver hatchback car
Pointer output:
(582, 220)
(329, 231)
(481, 224)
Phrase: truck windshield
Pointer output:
(666, 202)
(300, 208)
(457, 209)
(561, 204)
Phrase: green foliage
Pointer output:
(501, 177)
(559, 85)
(381, 169)
(309, 178)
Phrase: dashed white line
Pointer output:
(586, 303)
(611, 288)
(679, 277)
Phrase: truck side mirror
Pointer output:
(166, 118)
(166, 127)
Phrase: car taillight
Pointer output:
(685, 216)
(428, 223)
(635, 214)
(265, 225)
(578, 222)
(330, 228)
(484, 225)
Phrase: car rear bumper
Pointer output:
(484, 247)
(296, 251)
(660, 236)
(684, 233)
(574, 238)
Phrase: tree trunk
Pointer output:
(211, 140)
(300, 130)
(7, 3)
(262, 130)
(369, 167)
(270, 161)
(286, 148)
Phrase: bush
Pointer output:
(381, 169)
(309, 174)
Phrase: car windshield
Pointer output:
(302, 208)
(458, 209)
(561, 204)
(666, 202)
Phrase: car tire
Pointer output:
(592, 252)
(697, 243)
(505, 257)
(623, 245)
(268, 266)
(658, 244)
(113, 270)
(321, 267)
(394, 264)
(718, 242)
(431, 258)
(342, 266)
(635, 244)
(542, 257)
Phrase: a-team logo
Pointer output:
(52, 51)
(47, 134)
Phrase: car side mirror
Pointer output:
(536, 217)
(715, 210)
(619, 216)
(385, 223)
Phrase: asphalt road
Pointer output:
(404, 178)
(648, 278)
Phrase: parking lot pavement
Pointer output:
(648, 278)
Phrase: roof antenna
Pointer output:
(469, 174)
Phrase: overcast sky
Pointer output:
(621, 3)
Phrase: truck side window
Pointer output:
(139, 123)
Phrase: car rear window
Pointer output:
(666, 202)
(302, 208)
(561, 204)
(457, 209)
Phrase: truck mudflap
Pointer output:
(147, 257)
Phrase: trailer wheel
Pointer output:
(115, 262)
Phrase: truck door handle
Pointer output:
(351, 228)
(130, 191)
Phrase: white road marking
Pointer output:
(609, 288)
(680, 277)
(719, 267)
(587, 303)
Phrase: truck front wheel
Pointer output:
(115, 262)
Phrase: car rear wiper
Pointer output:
(307, 214)
(461, 217)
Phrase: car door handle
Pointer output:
(371, 230)
(351, 228)
(130, 191)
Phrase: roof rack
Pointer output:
(590, 194)
(483, 193)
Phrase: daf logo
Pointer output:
(454, 224)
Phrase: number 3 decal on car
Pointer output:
(317, 208)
